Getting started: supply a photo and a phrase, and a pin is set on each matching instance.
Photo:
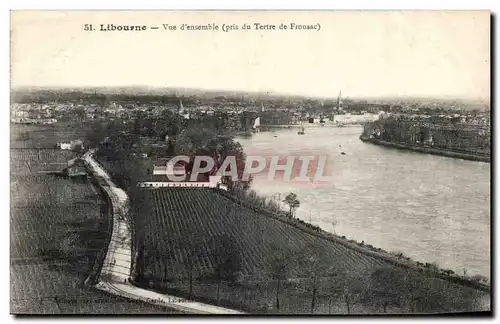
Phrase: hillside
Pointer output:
(57, 228)
(173, 219)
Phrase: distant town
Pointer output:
(238, 111)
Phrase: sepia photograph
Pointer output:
(250, 163)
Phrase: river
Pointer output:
(431, 208)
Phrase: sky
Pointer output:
(362, 54)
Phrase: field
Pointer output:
(57, 227)
(175, 218)
(43, 136)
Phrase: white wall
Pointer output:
(213, 183)
(177, 184)
(65, 146)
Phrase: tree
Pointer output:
(168, 123)
(312, 261)
(433, 295)
(386, 287)
(272, 205)
(334, 286)
(292, 201)
(96, 133)
(194, 141)
(137, 206)
(79, 113)
(355, 284)
(279, 265)
(191, 243)
(426, 296)
(334, 224)
(344, 284)
(227, 260)
(191, 140)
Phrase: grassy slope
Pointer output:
(208, 213)
(57, 226)
(177, 212)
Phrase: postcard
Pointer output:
(250, 162)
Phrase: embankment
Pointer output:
(402, 262)
(428, 150)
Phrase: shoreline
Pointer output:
(312, 125)
(367, 249)
(427, 150)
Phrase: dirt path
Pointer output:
(116, 267)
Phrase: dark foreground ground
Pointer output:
(57, 228)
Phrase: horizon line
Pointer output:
(248, 92)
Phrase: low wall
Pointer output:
(428, 150)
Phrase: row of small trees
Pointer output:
(380, 288)
(305, 271)
(251, 196)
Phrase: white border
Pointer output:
(258, 5)
(152, 5)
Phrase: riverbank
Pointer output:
(114, 276)
(427, 150)
(383, 180)
(396, 259)
(313, 125)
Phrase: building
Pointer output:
(214, 182)
(64, 145)
(76, 168)
(77, 145)
(164, 171)
(73, 145)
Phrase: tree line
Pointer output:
(450, 137)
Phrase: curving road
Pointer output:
(117, 264)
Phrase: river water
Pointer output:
(431, 208)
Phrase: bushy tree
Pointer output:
(312, 262)
(342, 284)
(192, 243)
(293, 202)
(193, 141)
(279, 264)
(386, 287)
(227, 260)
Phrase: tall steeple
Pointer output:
(340, 105)
(179, 107)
